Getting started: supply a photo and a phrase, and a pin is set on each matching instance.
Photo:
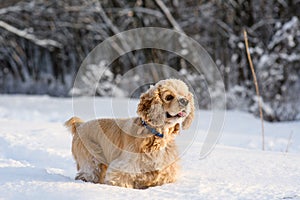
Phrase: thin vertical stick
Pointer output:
(256, 88)
(289, 142)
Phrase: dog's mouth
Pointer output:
(178, 115)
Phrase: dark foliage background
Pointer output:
(43, 42)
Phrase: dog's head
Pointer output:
(167, 103)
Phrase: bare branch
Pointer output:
(105, 18)
(115, 30)
(148, 11)
(10, 9)
(169, 16)
(24, 34)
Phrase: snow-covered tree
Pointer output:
(43, 43)
(96, 80)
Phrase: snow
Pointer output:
(286, 32)
(36, 161)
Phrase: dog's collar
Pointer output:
(152, 130)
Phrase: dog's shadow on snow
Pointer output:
(17, 174)
(19, 163)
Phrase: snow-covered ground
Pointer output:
(36, 161)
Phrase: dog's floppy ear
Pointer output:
(189, 119)
(150, 108)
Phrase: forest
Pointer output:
(44, 42)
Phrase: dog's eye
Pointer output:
(169, 97)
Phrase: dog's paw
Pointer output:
(119, 184)
(81, 177)
(87, 177)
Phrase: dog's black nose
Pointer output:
(183, 101)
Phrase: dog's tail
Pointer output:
(73, 123)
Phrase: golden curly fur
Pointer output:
(123, 152)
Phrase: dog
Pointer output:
(135, 152)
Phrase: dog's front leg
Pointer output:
(119, 178)
(122, 171)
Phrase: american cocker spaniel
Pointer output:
(135, 152)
